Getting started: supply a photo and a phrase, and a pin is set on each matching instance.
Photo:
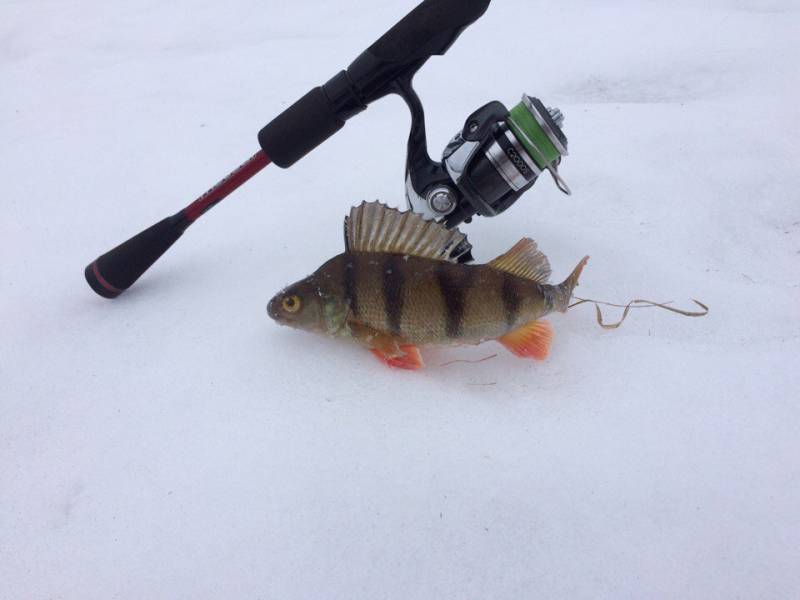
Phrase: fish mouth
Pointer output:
(272, 309)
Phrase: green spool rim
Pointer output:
(532, 136)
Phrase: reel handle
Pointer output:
(428, 30)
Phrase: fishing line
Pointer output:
(471, 362)
(638, 303)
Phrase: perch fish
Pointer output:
(399, 286)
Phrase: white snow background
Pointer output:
(175, 443)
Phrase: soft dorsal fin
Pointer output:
(524, 260)
(374, 227)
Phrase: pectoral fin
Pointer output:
(532, 340)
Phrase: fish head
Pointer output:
(308, 306)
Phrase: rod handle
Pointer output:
(117, 270)
(428, 30)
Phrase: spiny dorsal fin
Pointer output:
(524, 260)
(374, 227)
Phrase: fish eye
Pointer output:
(291, 304)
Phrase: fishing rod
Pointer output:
(496, 157)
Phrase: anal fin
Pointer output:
(532, 340)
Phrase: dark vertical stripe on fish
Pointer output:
(511, 298)
(393, 292)
(350, 287)
(453, 285)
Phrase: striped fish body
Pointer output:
(421, 301)
(399, 285)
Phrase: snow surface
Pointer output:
(176, 443)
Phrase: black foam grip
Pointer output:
(117, 270)
(299, 129)
(427, 30)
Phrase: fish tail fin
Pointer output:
(565, 289)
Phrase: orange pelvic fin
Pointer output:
(386, 347)
(532, 340)
(409, 358)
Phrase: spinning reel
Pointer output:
(489, 164)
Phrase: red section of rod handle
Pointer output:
(118, 269)
(227, 185)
